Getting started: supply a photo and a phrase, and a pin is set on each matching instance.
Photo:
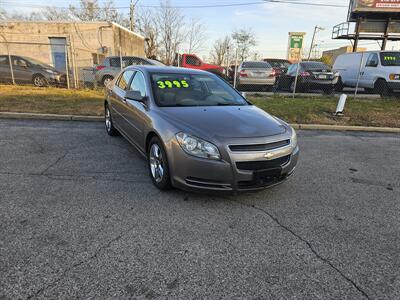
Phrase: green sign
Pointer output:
(296, 41)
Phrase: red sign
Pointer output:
(376, 6)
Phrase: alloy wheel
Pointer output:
(108, 120)
(156, 163)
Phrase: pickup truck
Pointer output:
(191, 61)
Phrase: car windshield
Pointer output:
(390, 59)
(255, 65)
(193, 90)
(282, 64)
(36, 62)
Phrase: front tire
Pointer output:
(158, 164)
(111, 130)
(382, 88)
(39, 81)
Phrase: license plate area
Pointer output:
(265, 176)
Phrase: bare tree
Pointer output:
(171, 23)
(33, 16)
(245, 40)
(147, 26)
(220, 50)
(56, 14)
(88, 10)
(196, 35)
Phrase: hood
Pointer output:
(224, 121)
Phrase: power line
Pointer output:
(294, 2)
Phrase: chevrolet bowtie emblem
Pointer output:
(269, 155)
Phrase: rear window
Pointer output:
(315, 66)
(255, 65)
(282, 64)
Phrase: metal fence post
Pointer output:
(120, 56)
(359, 74)
(297, 73)
(67, 65)
(236, 68)
(10, 62)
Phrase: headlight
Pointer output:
(197, 147)
(50, 71)
(394, 76)
(293, 138)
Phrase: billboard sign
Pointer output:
(295, 45)
(377, 6)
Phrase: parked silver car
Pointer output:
(29, 70)
(197, 132)
(111, 66)
(256, 74)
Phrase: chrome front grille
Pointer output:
(259, 147)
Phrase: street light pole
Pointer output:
(313, 38)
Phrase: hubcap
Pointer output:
(156, 163)
(107, 81)
(38, 81)
(108, 120)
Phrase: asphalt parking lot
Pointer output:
(79, 218)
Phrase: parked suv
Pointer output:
(376, 71)
(111, 66)
(29, 70)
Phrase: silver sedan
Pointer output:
(197, 132)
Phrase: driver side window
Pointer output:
(138, 84)
(193, 61)
(372, 60)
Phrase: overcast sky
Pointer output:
(270, 22)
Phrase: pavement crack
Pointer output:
(54, 163)
(310, 246)
(75, 265)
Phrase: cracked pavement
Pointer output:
(79, 218)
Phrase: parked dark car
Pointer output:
(280, 65)
(312, 75)
(197, 132)
(111, 66)
(29, 70)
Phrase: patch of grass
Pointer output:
(304, 110)
(51, 100)
(319, 110)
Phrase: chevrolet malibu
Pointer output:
(197, 132)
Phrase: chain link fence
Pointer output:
(60, 64)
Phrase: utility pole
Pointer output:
(316, 29)
(132, 15)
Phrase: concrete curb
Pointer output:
(11, 115)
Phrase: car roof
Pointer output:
(166, 69)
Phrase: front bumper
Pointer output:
(394, 85)
(235, 173)
(257, 81)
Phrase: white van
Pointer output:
(377, 71)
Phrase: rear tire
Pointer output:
(111, 130)
(106, 80)
(158, 164)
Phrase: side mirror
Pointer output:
(135, 95)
